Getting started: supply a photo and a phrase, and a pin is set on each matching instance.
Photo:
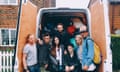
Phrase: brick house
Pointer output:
(8, 19)
(114, 14)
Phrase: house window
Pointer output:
(8, 37)
(8, 2)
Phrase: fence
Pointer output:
(6, 61)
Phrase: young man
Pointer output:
(44, 51)
(62, 34)
(30, 62)
(88, 49)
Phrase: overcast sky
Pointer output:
(72, 3)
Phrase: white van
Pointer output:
(48, 18)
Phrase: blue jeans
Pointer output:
(34, 68)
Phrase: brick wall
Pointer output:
(114, 14)
(8, 16)
(43, 3)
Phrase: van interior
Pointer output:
(50, 19)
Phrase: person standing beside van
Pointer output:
(30, 62)
(44, 51)
(57, 56)
(78, 49)
(87, 51)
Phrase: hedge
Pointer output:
(115, 46)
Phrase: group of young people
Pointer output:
(60, 53)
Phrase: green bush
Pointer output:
(115, 39)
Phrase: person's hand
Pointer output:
(46, 65)
(65, 52)
(40, 41)
(85, 68)
(27, 71)
(72, 68)
(67, 69)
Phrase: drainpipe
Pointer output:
(15, 60)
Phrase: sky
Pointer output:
(72, 3)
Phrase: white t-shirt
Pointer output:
(59, 55)
(31, 52)
(79, 53)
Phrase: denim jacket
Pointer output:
(88, 52)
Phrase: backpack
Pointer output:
(97, 53)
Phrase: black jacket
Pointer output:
(64, 37)
(43, 53)
(53, 63)
(69, 61)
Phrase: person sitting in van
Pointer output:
(62, 34)
(57, 56)
(73, 29)
(30, 62)
(71, 60)
(87, 51)
(44, 51)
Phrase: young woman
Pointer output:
(71, 60)
(57, 56)
(30, 55)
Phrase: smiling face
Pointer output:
(78, 39)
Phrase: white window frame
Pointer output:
(24, 1)
(9, 30)
(9, 3)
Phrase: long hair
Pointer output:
(53, 50)
(53, 41)
(28, 36)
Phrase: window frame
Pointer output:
(9, 31)
(16, 3)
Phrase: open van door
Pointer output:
(26, 25)
(100, 31)
(95, 19)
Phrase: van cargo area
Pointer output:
(50, 18)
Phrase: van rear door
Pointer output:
(26, 25)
